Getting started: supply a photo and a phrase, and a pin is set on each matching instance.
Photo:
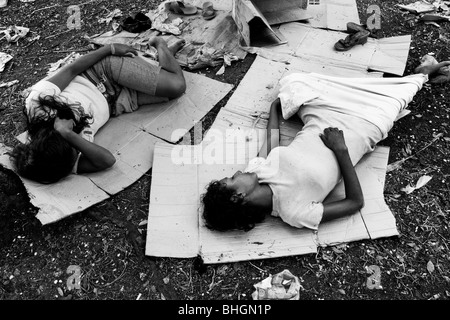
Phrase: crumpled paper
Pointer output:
(14, 33)
(159, 18)
(113, 14)
(4, 58)
(282, 286)
(8, 84)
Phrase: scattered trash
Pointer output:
(423, 180)
(398, 164)
(166, 280)
(8, 84)
(3, 3)
(374, 281)
(139, 296)
(26, 1)
(14, 33)
(143, 222)
(114, 14)
(282, 286)
(4, 58)
(159, 19)
(227, 59)
(418, 7)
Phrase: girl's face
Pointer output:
(241, 182)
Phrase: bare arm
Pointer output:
(333, 138)
(273, 130)
(93, 157)
(64, 76)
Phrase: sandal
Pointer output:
(351, 40)
(354, 28)
(179, 7)
(208, 11)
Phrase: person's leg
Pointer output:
(145, 77)
(171, 82)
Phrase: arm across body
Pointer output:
(333, 138)
(67, 73)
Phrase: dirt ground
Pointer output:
(106, 242)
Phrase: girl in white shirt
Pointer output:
(293, 181)
(65, 111)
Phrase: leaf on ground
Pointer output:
(423, 180)
(430, 267)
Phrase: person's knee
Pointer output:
(178, 87)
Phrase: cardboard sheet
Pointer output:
(282, 11)
(332, 14)
(233, 139)
(131, 138)
(316, 47)
(176, 228)
(253, 27)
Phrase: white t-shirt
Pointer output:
(85, 98)
(81, 93)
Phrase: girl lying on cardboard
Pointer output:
(65, 111)
(343, 119)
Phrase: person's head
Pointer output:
(43, 115)
(47, 158)
(226, 203)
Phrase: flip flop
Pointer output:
(208, 11)
(354, 28)
(179, 7)
(351, 40)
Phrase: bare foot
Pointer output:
(156, 41)
(431, 69)
(176, 46)
(429, 65)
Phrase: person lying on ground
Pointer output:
(343, 119)
(65, 111)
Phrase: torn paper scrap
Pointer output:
(14, 33)
(418, 7)
(423, 180)
(8, 84)
(113, 14)
(4, 58)
(282, 286)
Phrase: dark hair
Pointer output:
(221, 214)
(47, 157)
(44, 114)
